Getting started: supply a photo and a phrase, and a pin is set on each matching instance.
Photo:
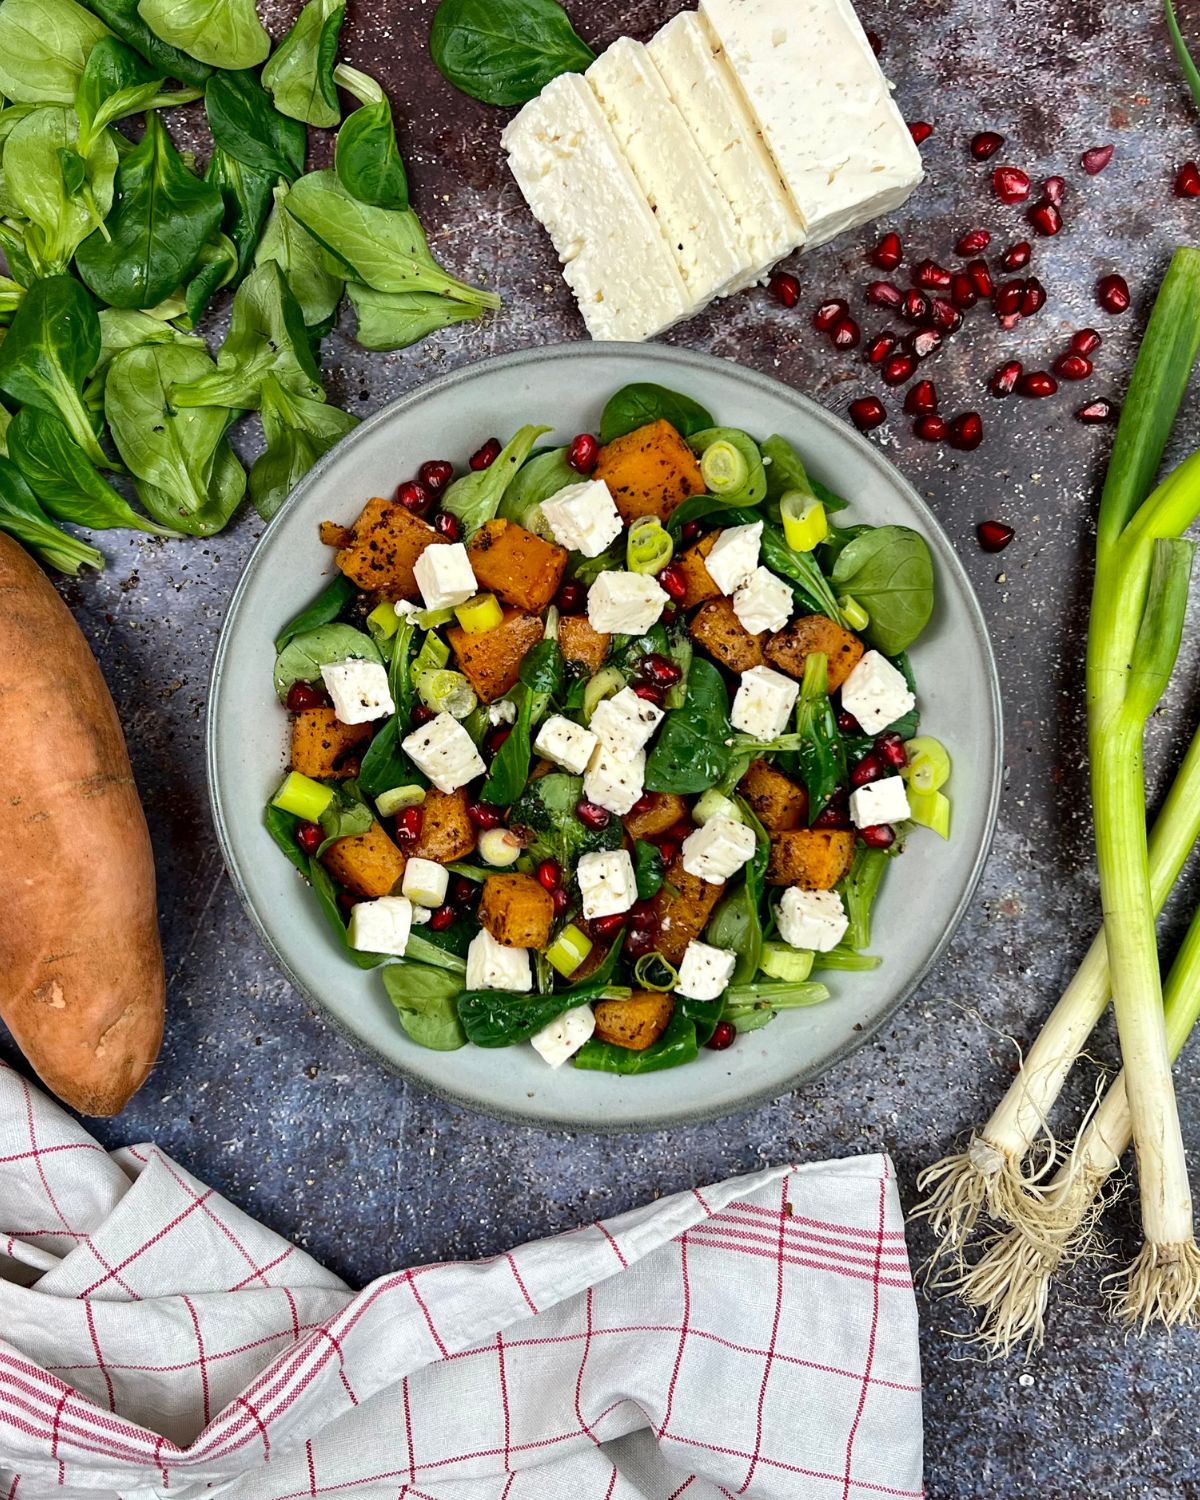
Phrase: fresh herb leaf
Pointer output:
(889, 571)
(299, 430)
(122, 17)
(366, 158)
(222, 33)
(247, 126)
(316, 288)
(677, 1045)
(324, 610)
(636, 405)
(304, 655)
(476, 497)
(23, 518)
(395, 320)
(63, 196)
(786, 475)
(691, 754)
(802, 571)
(117, 81)
(505, 51)
(649, 869)
(44, 46)
(299, 72)
(541, 678)
(385, 765)
(216, 267)
(347, 816)
(425, 1003)
(246, 196)
(539, 478)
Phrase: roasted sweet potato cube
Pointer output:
(815, 859)
(776, 801)
(636, 1023)
(491, 660)
(715, 627)
(516, 566)
(334, 534)
(579, 642)
(663, 811)
(368, 864)
(447, 833)
(517, 911)
(649, 471)
(681, 910)
(700, 586)
(323, 747)
(790, 648)
(385, 543)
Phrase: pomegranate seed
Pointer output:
(1187, 181)
(930, 276)
(681, 830)
(408, 824)
(1017, 256)
(493, 740)
(1112, 293)
(485, 457)
(931, 429)
(1086, 341)
(1054, 190)
(869, 768)
(592, 816)
(302, 695)
(672, 581)
(1097, 413)
(879, 348)
(310, 837)
(639, 941)
(1045, 218)
(1037, 384)
(347, 901)
(562, 899)
(916, 306)
(570, 598)
(884, 294)
(413, 496)
(966, 431)
(605, 928)
(962, 291)
(833, 816)
(876, 43)
(944, 315)
(923, 342)
(1011, 184)
(920, 130)
(583, 453)
(1034, 298)
(922, 400)
(985, 145)
(830, 313)
(484, 816)
(669, 615)
(443, 918)
(981, 278)
(549, 875)
(974, 242)
(847, 723)
(899, 369)
(846, 334)
(1009, 296)
(888, 253)
(994, 536)
(723, 1037)
(660, 670)
(878, 836)
(422, 715)
(436, 475)
(785, 288)
(868, 412)
(643, 805)
(464, 893)
(668, 849)
(1072, 367)
(1096, 159)
(650, 693)
(447, 525)
(1004, 381)
(690, 532)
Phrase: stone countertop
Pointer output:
(264, 1100)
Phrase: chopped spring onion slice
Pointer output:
(928, 768)
(433, 619)
(713, 805)
(649, 547)
(480, 614)
(303, 797)
(447, 693)
(388, 804)
(605, 684)
(781, 961)
(930, 810)
(653, 972)
(568, 950)
(724, 468)
(383, 621)
(500, 847)
(550, 627)
(855, 615)
(805, 524)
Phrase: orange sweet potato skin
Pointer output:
(649, 471)
(516, 566)
(83, 990)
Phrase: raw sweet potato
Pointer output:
(491, 660)
(447, 833)
(579, 642)
(790, 649)
(662, 811)
(649, 472)
(636, 1023)
(368, 864)
(517, 911)
(681, 910)
(323, 747)
(776, 801)
(700, 587)
(715, 627)
(815, 859)
(385, 543)
(83, 991)
(516, 566)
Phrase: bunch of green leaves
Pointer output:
(505, 51)
(57, 195)
(22, 517)
(539, 682)
(117, 82)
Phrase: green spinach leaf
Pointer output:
(299, 73)
(315, 287)
(496, 1018)
(117, 82)
(121, 16)
(636, 405)
(46, 181)
(326, 893)
(282, 827)
(505, 51)
(298, 430)
(217, 267)
(889, 571)
(541, 477)
(822, 754)
(367, 159)
(648, 869)
(691, 754)
(23, 518)
(303, 657)
(222, 33)
(248, 127)
(541, 678)
(44, 46)
(246, 199)
(395, 320)
(677, 1045)
(476, 497)
(385, 765)
(425, 1003)
(324, 610)
(347, 816)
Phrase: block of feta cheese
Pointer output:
(445, 576)
(691, 210)
(381, 926)
(566, 743)
(606, 883)
(425, 882)
(615, 782)
(558, 1042)
(625, 603)
(491, 966)
(583, 517)
(718, 850)
(763, 602)
(625, 722)
(565, 157)
(734, 557)
(878, 802)
(358, 690)
(705, 971)
(876, 693)
(714, 107)
(764, 703)
(823, 105)
(812, 920)
(445, 752)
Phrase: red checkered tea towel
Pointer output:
(755, 1338)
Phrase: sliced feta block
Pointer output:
(503, 711)
(823, 105)
(563, 1037)
(705, 972)
(763, 602)
(381, 926)
(625, 603)
(359, 691)
(718, 850)
(878, 802)
(691, 210)
(567, 162)
(615, 782)
(566, 743)
(425, 882)
(813, 920)
(583, 517)
(445, 576)
(491, 966)
(445, 752)
(606, 883)
(764, 703)
(876, 693)
(625, 722)
(734, 557)
(716, 112)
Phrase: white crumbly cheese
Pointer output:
(503, 711)
(764, 703)
(491, 966)
(878, 802)
(705, 972)
(615, 783)
(690, 209)
(445, 576)
(425, 882)
(606, 883)
(565, 157)
(381, 926)
(625, 603)
(763, 602)
(421, 915)
(583, 517)
(718, 850)
(625, 722)
(715, 109)
(566, 743)
(813, 920)
(876, 693)
(563, 1037)
(734, 557)
(445, 752)
(359, 691)
(823, 105)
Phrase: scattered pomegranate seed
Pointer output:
(847, 723)
(549, 874)
(447, 525)
(920, 130)
(643, 805)
(884, 294)
(1009, 296)
(650, 693)
(1096, 159)
(888, 253)
(878, 836)
(931, 429)
(994, 536)
(673, 581)
(830, 313)
(1004, 381)
(1097, 413)
(846, 334)
(1086, 341)
(592, 816)
(483, 816)
(867, 413)
(494, 739)
(922, 399)
(836, 815)
(974, 242)
(869, 768)
(310, 837)
(302, 695)
(1017, 256)
(422, 715)
(944, 315)
(413, 496)
(1187, 181)
(1112, 293)
(785, 288)
(981, 277)
(605, 928)
(436, 475)
(916, 306)
(1034, 298)
(1054, 190)
(443, 918)
(660, 670)
(1045, 218)
(668, 849)
(923, 342)
(583, 453)
(464, 893)
(485, 457)
(879, 348)
(1072, 367)
(891, 747)
(899, 369)
(985, 145)
(570, 598)
(876, 43)
(347, 900)
(1037, 384)
(724, 1035)
(562, 899)
(966, 431)
(681, 830)
(1011, 184)
(930, 276)
(962, 291)
(689, 532)
(408, 824)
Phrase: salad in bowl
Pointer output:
(606, 749)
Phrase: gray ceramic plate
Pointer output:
(923, 899)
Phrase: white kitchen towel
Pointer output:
(755, 1338)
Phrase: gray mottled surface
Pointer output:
(263, 1100)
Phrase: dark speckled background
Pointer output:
(264, 1100)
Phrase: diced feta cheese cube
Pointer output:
(445, 576)
(625, 722)
(615, 782)
(425, 881)
(566, 743)
(734, 557)
(381, 926)
(876, 693)
(625, 603)
(491, 966)
(705, 971)
(583, 517)
(445, 752)
(606, 883)
(421, 915)
(564, 1036)
(813, 920)
(763, 602)
(764, 703)
(883, 801)
(718, 850)
(359, 690)
(503, 711)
